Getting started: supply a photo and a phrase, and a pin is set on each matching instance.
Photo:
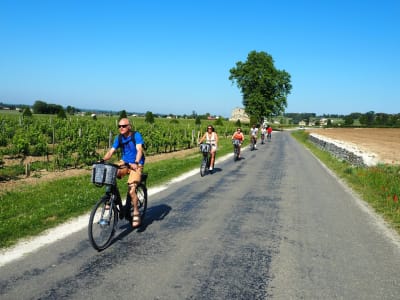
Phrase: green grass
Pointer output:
(379, 185)
(32, 209)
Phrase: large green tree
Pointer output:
(264, 88)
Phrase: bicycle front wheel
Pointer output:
(235, 153)
(102, 223)
(203, 167)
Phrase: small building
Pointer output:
(239, 114)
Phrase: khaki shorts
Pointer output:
(134, 175)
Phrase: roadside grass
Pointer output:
(379, 186)
(30, 210)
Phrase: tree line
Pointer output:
(368, 119)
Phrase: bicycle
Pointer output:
(236, 145)
(205, 161)
(104, 216)
(253, 143)
(262, 138)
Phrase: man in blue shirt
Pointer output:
(131, 144)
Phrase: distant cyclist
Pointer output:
(263, 134)
(238, 135)
(254, 135)
(211, 137)
(269, 132)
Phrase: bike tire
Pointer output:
(235, 153)
(101, 227)
(203, 167)
(141, 192)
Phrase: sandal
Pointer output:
(136, 221)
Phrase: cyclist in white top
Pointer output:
(254, 134)
(211, 137)
(263, 133)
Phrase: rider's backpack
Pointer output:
(133, 140)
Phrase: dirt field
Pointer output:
(384, 142)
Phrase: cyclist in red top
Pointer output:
(269, 132)
(238, 135)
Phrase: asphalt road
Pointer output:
(274, 225)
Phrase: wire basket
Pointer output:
(236, 142)
(205, 148)
(103, 174)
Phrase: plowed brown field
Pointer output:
(384, 142)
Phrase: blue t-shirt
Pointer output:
(129, 152)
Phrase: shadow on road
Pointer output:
(155, 213)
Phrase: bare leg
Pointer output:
(212, 159)
(134, 202)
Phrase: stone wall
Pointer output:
(338, 151)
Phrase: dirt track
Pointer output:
(384, 142)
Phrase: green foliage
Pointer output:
(61, 114)
(264, 88)
(254, 120)
(71, 110)
(149, 117)
(27, 112)
(41, 107)
(238, 123)
(197, 121)
(20, 143)
(348, 121)
(123, 114)
(11, 172)
(219, 122)
(78, 140)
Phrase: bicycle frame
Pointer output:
(236, 145)
(262, 138)
(253, 143)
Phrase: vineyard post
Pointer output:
(27, 169)
(54, 137)
(110, 136)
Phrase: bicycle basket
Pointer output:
(236, 142)
(104, 174)
(205, 148)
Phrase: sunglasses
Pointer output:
(209, 128)
(123, 126)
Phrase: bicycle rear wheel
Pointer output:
(102, 223)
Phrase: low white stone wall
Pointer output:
(345, 151)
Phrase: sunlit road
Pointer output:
(273, 225)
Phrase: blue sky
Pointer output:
(174, 56)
